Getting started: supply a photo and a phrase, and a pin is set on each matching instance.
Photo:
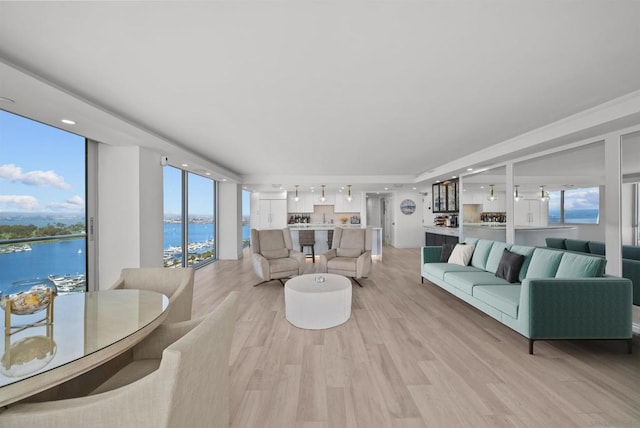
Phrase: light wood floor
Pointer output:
(412, 355)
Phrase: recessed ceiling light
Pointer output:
(224, 179)
(207, 173)
(68, 121)
(7, 100)
(454, 176)
(185, 165)
(469, 169)
(386, 188)
(415, 188)
(437, 181)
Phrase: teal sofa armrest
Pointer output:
(631, 271)
(431, 254)
(581, 308)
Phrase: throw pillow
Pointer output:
(446, 252)
(461, 254)
(509, 266)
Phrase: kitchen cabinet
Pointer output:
(445, 197)
(329, 198)
(304, 204)
(272, 213)
(531, 212)
(342, 205)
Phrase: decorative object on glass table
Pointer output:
(27, 299)
(27, 355)
(319, 279)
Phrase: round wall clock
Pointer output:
(407, 207)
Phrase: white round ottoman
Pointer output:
(315, 304)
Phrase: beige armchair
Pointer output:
(274, 256)
(350, 253)
(175, 283)
(179, 378)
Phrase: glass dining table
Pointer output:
(88, 329)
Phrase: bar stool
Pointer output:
(307, 238)
(329, 238)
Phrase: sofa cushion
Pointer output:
(577, 245)
(527, 252)
(465, 281)
(630, 252)
(275, 254)
(447, 249)
(510, 265)
(597, 248)
(495, 255)
(544, 263)
(504, 298)
(461, 254)
(471, 241)
(348, 252)
(481, 253)
(558, 243)
(580, 266)
(439, 269)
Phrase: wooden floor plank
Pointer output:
(412, 355)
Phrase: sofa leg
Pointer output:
(422, 279)
(629, 345)
(530, 346)
(263, 282)
(357, 282)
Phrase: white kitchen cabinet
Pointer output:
(272, 214)
(531, 212)
(304, 204)
(342, 205)
(329, 198)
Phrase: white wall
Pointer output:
(230, 221)
(129, 210)
(408, 232)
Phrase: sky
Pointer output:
(42, 169)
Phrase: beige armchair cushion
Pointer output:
(350, 254)
(190, 387)
(275, 254)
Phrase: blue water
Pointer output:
(58, 258)
(61, 258)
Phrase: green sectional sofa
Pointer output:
(560, 294)
(630, 258)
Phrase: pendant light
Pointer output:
(492, 195)
(322, 198)
(349, 192)
(296, 197)
(544, 196)
(516, 195)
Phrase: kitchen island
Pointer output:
(321, 232)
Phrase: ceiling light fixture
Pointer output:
(349, 192)
(296, 198)
(516, 193)
(322, 198)
(68, 122)
(544, 196)
(492, 195)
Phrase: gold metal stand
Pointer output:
(47, 320)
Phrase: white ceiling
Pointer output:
(306, 92)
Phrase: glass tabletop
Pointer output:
(84, 324)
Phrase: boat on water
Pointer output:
(69, 282)
(15, 249)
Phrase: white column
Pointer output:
(613, 189)
(510, 208)
(230, 221)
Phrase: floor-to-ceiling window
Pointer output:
(201, 220)
(43, 236)
(246, 218)
(189, 218)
